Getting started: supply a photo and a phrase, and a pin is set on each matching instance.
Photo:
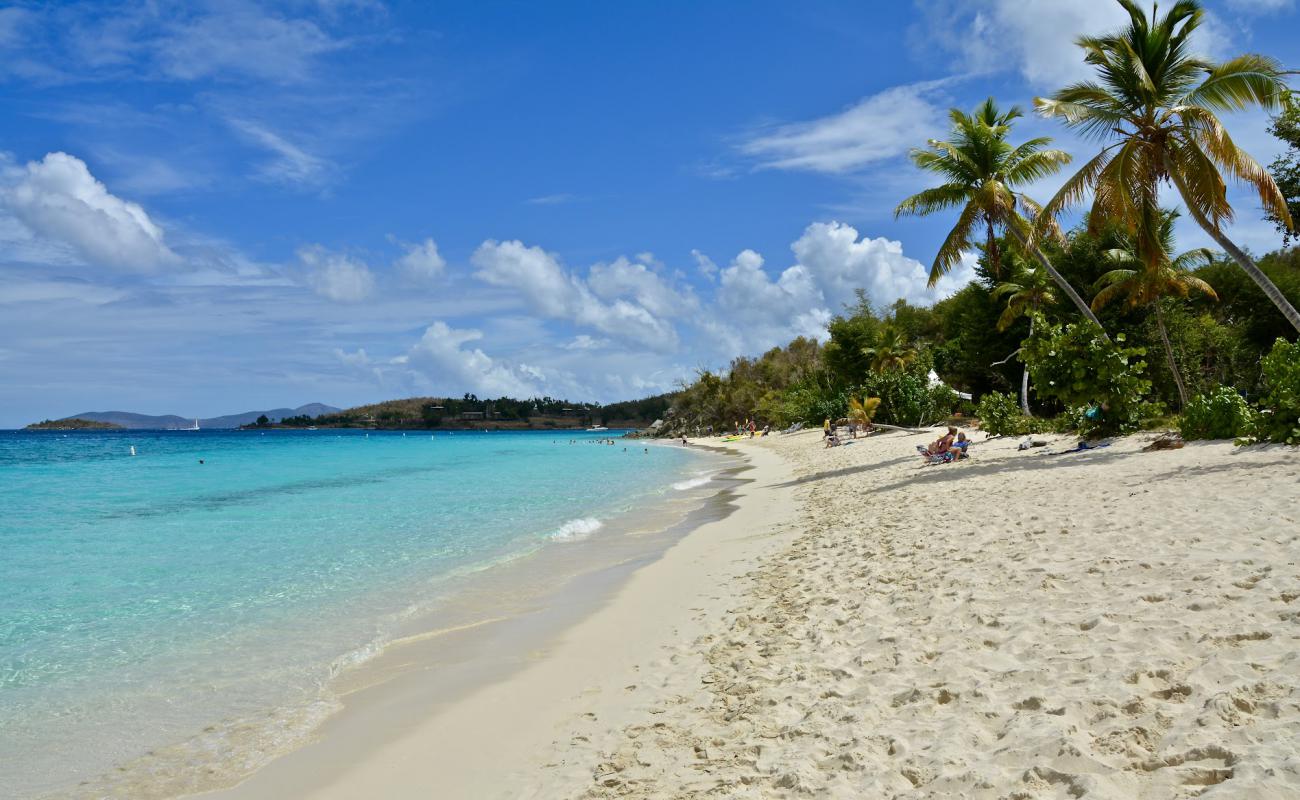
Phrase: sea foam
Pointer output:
(576, 529)
(692, 483)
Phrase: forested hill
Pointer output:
(471, 411)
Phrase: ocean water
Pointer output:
(152, 600)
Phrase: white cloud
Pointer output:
(840, 263)
(551, 291)
(584, 342)
(707, 267)
(766, 310)
(755, 311)
(1034, 37)
(1260, 6)
(359, 364)
(421, 264)
(552, 199)
(57, 198)
(242, 40)
(876, 128)
(622, 278)
(291, 164)
(336, 276)
(448, 367)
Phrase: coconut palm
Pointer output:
(1026, 295)
(891, 350)
(1143, 278)
(862, 411)
(1155, 105)
(982, 170)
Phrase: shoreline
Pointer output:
(405, 732)
(461, 620)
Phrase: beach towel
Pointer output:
(1082, 446)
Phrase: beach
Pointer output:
(1028, 624)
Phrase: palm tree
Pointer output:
(891, 350)
(862, 411)
(1026, 295)
(1156, 103)
(1142, 278)
(982, 170)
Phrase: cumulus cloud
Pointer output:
(336, 276)
(874, 129)
(421, 264)
(445, 364)
(553, 292)
(840, 263)
(638, 282)
(58, 199)
(757, 311)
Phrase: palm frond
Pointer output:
(1206, 194)
(1076, 187)
(938, 198)
(1239, 83)
(957, 241)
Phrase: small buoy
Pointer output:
(132, 449)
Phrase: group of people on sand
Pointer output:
(751, 427)
(949, 447)
(831, 432)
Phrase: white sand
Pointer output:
(1114, 624)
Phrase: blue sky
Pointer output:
(207, 208)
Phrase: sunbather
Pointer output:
(943, 444)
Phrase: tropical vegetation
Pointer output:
(1224, 323)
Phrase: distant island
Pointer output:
(74, 424)
(471, 412)
(134, 421)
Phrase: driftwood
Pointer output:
(897, 428)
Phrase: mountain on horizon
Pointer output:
(128, 419)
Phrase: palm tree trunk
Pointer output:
(1060, 280)
(1024, 378)
(1244, 261)
(1169, 351)
(995, 259)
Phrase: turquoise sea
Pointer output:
(218, 580)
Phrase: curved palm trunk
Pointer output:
(1169, 351)
(1244, 261)
(995, 258)
(1060, 280)
(1024, 378)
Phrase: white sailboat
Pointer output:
(195, 428)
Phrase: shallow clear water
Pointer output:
(144, 599)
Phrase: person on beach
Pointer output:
(943, 444)
(958, 448)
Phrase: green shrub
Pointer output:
(1000, 415)
(1101, 383)
(1220, 414)
(906, 396)
(1279, 420)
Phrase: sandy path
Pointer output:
(1107, 624)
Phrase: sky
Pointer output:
(207, 208)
